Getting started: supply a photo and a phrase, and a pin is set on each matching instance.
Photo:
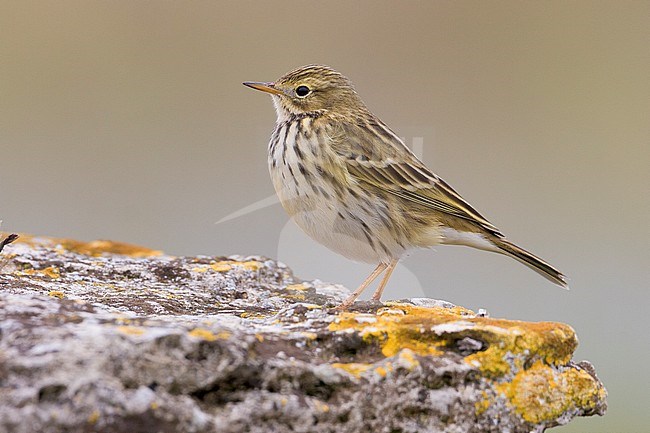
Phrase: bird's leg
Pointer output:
(389, 270)
(378, 270)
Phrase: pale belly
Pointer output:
(322, 222)
(357, 231)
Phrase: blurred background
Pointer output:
(127, 120)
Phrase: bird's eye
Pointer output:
(302, 91)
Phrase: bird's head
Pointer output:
(311, 89)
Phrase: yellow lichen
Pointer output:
(309, 335)
(93, 417)
(482, 405)
(200, 269)
(51, 272)
(123, 321)
(406, 327)
(321, 407)
(254, 315)
(297, 287)
(383, 370)
(539, 393)
(407, 359)
(543, 393)
(386, 311)
(251, 265)
(130, 330)
(223, 266)
(56, 294)
(228, 265)
(202, 334)
(207, 335)
(223, 335)
(354, 368)
(553, 343)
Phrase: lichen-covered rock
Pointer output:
(110, 337)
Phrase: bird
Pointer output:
(351, 183)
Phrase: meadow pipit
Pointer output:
(352, 184)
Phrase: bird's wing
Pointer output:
(399, 172)
(418, 185)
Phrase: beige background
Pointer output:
(127, 120)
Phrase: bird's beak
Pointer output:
(264, 87)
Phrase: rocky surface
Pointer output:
(110, 337)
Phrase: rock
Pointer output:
(110, 337)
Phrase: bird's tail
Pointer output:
(533, 262)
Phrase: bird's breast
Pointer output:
(296, 164)
(316, 191)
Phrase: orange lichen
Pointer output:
(92, 248)
(400, 327)
(383, 370)
(554, 343)
(405, 326)
(387, 329)
(543, 393)
(99, 247)
(51, 272)
(56, 294)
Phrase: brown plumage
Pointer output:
(352, 184)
